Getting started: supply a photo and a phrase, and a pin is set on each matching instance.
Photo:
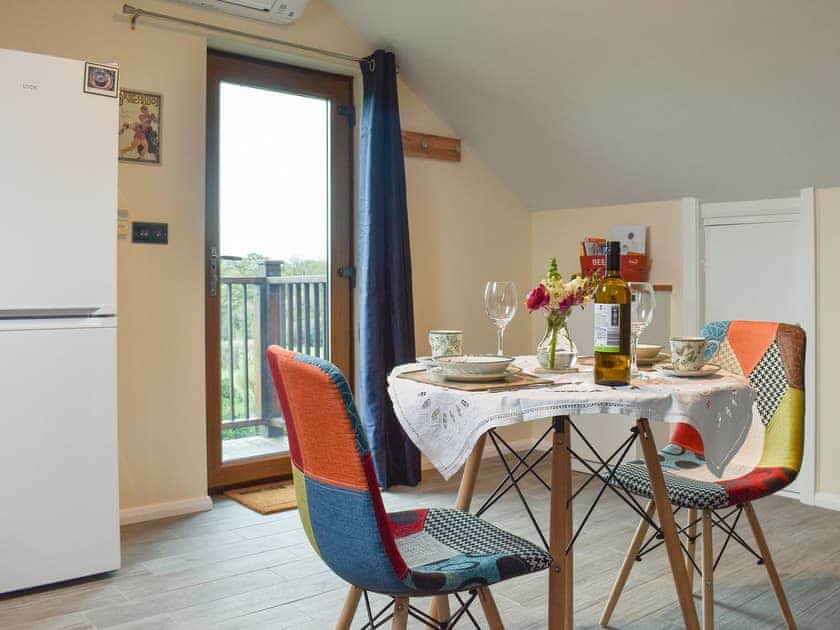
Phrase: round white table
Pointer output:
(449, 426)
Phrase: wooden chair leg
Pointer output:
(629, 561)
(439, 608)
(691, 546)
(400, 620)
(708, 573)
(667, 524)
(491, 612)
(764, 550)
(349, 609)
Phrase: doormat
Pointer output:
(266, 498)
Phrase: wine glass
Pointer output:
(500, 302)
(642, 306)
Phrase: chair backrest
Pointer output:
(338, 498)
(772, 356)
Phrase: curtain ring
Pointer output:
(371, 64)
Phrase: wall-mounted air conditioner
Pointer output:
(277, 11)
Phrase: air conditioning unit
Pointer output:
(277, 11)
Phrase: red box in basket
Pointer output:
(634, 267)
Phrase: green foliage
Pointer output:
(239, 333)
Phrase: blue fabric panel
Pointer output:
(340, 382)
(465, 570)
(344, 524)
(386, 311)
(714, 330)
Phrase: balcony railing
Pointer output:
(257, 311)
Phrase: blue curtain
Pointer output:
(386, 307)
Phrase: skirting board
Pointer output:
(157, 511)
(827, 500)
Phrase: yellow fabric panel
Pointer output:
(303, 506)
(786, 432)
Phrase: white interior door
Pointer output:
(757, 262)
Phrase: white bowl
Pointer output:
(473, 365)
(646, 351)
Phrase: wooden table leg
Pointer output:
(560, 578)
(439, 608)
(668, 525)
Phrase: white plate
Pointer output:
(668, 369)
(479, 378)
(662, 356)
(473, 365)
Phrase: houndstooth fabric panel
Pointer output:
(727, 360)
(683, 492)
(769, 379)
(470, 535)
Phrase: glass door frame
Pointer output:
(338, 90)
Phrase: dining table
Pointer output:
(450, 424)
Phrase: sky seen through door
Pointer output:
(273, 178)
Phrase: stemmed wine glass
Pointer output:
(500, 302)
(642, 305)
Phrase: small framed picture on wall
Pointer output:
(140, 126)
(102, 80)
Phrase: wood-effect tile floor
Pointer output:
(233, 568)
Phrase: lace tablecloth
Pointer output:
(446, 423)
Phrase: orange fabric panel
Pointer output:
(750, 341)
(325, 435)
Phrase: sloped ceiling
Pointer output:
(594, 102)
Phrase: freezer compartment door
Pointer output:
(59, 205)
(58, 455)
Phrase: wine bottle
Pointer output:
(612, 324)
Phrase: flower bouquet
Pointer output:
(555, 299)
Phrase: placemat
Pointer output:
(430, 377)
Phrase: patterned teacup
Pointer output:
(688, 354)
(446, 342)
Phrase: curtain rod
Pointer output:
(135, 13)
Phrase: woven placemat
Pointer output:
(511, 381)
(266, 498)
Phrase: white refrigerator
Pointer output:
(59, 504)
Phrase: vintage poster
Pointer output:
(140, 126)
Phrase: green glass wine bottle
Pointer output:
(612, 324)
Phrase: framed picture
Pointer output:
(140, 126)
(102, 80)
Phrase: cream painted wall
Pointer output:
(460, 218)
(559, 233)
(827, 201)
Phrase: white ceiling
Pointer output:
(593, 102)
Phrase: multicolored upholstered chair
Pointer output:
(404, 554)
(772, 357)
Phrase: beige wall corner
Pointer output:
(559, 233)
(827, 201)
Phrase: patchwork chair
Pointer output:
(406, 554)
(772, 357)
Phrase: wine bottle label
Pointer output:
(607, 328)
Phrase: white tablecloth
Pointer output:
(446, 423)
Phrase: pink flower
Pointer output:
(567, 303)
(537, 298)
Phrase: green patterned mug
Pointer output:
(688, 354)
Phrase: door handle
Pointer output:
(213, 272)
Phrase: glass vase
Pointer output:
(557, 350)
